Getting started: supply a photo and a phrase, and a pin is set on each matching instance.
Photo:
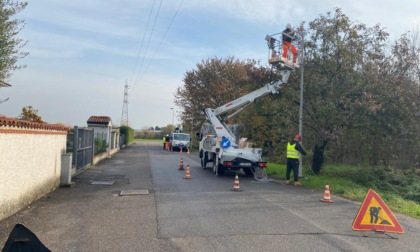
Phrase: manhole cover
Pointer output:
(111, 182)
(134, 192)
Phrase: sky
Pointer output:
(83, 52)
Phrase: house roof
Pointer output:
(4, 84)
(14, 122)
(105, 120)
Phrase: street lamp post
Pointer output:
(302, 58)
(192, 128)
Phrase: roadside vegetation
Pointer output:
(399, 190)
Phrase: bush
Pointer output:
(100, 145)
(129, 134)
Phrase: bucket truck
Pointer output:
(223, 148)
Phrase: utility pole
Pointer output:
(192, 129)
(302, 57)
(173, 113)
(124, 113)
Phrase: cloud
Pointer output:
(82, 52)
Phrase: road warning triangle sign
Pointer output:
(374, 215)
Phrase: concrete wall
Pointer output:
(30, 164)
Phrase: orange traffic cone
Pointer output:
(181, 165)
(327, 196)
(188, 151)
(180, 152)
(236, 184)
(187, 173)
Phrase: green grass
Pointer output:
(349, 182)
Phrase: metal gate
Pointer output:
(83, 147)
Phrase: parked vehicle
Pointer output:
(179, 141)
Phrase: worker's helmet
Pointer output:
(298, 137)
(289, 26)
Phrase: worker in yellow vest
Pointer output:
(293, 149)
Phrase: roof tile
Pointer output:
(14, 122)
(99, 120)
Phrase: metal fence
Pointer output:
(81, 143)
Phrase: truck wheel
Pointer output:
(221, 169)
(214, 168)
(204, 160)
(248, 172)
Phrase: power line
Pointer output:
(148, 43)
(144, 36)
(161, 41)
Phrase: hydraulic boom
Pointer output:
(214, 115)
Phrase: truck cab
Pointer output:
(179, 141)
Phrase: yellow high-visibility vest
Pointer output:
(291, 151)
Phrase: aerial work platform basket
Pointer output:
(275, 52)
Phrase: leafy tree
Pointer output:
(167, 130)
(214, 82)
(358, 97)
(146, 133)
(201, 88)
(361, 99)
(30, 114)
(10, 45)
(338, 91)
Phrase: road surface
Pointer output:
(198, 214)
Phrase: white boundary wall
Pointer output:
(30, 165)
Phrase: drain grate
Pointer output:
(134, 192)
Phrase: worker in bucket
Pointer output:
(293, 149)
(287, 37)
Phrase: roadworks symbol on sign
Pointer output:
(374, 215)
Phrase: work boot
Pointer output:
(297, 183)
(288, 182)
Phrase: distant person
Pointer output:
(288, 36)
(293, 149)
(164, 142)
(167, 139)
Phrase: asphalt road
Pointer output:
(198, 214)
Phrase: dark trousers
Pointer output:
(292, 165)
